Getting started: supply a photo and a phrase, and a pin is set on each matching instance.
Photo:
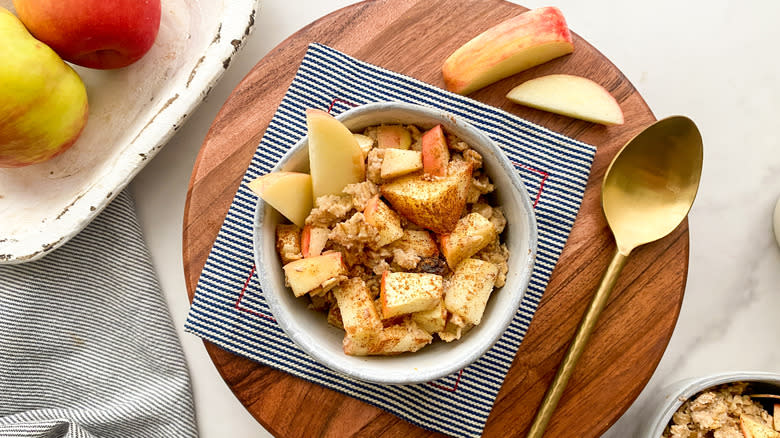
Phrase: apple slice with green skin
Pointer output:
(435, 153)
(290, 193)
(398, 162)
(335, 158)
(313, 240)
(384, 219)
(393, 136)
(307, 274)
(510, 47)
(569, 95)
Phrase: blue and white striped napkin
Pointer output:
(229, 309)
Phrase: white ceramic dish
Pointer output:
(309, 329)
(659, 410)
(133, 112)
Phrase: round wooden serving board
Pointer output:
(414, 37)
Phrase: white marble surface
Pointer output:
(714, 61)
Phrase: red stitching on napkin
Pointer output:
(454, 387)
(333, 102)
(541, 184)
(241, 295)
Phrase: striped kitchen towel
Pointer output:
(87, 347)
(229, 309)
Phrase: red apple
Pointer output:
(435, 154)
(93, 33)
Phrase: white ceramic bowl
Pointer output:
(309, 329)
(659, 411)
(133, 111)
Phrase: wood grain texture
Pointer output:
(414, 37)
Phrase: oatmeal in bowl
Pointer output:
(411, 261)
(730, 405)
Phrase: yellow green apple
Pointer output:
(514, 45)
(43, 102)
(569, 95)
(93, 33)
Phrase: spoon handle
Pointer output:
(577, 346)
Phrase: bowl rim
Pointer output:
(683, 390)
(284, 319)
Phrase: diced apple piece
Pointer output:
(472, 233)
(305, 275)
(398, 162)
(569, 95)
(454, 328)
(393, 136)
(436, 205)
(418, 242)
(290, 193)
(406, 292)
(395, 339)
(432, 320)
(401, 338)
(288, 242)
(335, 158)
(751, 428)
(384, 219)
(365, 143)
(358, 314)
(469, 288)
(517, 44)
(435, 153)
(776, 416)
(313, 240)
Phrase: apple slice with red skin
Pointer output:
(509, 47)
(313, 240)
(393, 136)
(435, 153)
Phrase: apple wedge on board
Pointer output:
(569, 95)
(517, 44)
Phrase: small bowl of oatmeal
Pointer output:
(721, 405)
(382, 285)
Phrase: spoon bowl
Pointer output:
(648, 190)
(652, 182)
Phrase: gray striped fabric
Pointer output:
(87, 347)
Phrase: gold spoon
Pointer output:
(648, 190)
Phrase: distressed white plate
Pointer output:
(133, 112)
